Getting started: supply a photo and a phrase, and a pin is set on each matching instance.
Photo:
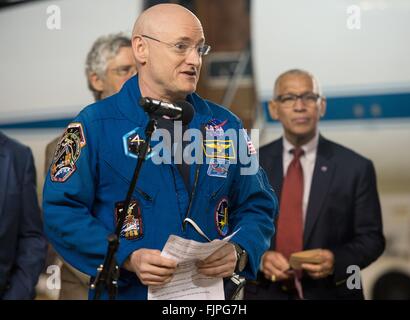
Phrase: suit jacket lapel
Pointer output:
(322, 177)
(272, 164)
(277, 170)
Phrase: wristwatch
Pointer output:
(241, 258)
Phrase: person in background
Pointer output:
(328, 201)
(22, 243)
(110, 63)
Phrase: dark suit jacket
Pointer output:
(22, 244)
(343, 215)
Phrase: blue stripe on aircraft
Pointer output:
(387, 106)
(40, 124)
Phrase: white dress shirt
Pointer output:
(307, 160)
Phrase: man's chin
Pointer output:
(304, 135)
(188, 90)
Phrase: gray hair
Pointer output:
(104, 49)
(298, 72)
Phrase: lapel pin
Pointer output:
(324, 169)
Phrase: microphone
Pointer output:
(181, 110)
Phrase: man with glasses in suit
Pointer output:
(328, 201)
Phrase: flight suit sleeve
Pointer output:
(69, 196)
(254, 206)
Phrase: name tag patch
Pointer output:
(218, 168)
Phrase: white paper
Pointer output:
(187, 283)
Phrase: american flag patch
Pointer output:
(251, 148)
(249, 144)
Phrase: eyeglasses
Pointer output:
(123, 71)
(289, 100)
(183, 48)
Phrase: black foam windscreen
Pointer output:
(187, 111)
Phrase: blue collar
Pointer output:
(128, 104)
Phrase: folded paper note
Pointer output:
(308, 256)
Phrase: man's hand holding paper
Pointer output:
(220, 264)
(189, 281)
(150, 267)
(275, 266)
(318, 263)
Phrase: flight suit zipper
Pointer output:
(191, 198)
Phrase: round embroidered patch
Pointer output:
(221, 217)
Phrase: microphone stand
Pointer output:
(108, 272)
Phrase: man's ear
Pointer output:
(273, 109)
(96, 82)
(140, 49)
(323, 104)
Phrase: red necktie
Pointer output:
(289, 236)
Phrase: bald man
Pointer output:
(329, 202)
(209, 198)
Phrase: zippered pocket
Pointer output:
(147, 196)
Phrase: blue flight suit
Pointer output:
(91, 173)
